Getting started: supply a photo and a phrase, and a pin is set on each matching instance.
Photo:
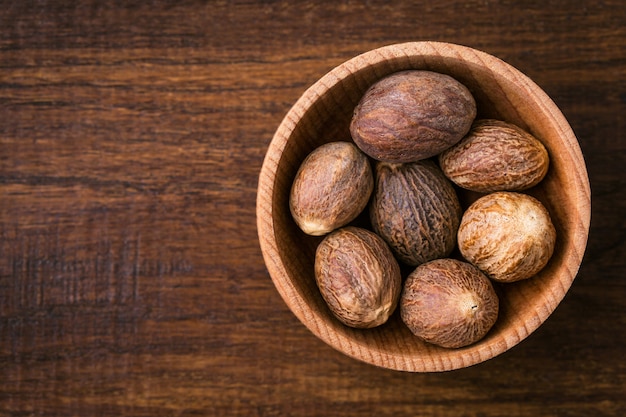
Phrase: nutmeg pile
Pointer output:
(417, 142)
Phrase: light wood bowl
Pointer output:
(323, 114)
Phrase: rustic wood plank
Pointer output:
(131, 138)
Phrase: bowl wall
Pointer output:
(323, 114)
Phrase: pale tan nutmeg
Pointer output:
(495, 156)
(331, 188)
(507, 235)
(449, 303)
(358, 277)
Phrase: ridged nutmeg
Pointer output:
(412, 115)
(495, 156)
(508, 235)
(448, 303)
(331, 188)
(358, 277)
(415, 208)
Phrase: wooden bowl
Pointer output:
(323, 114)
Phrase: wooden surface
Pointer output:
(131, 139)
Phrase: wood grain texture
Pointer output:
(131, 139)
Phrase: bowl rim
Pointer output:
(267, 234)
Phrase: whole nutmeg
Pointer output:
(331, 188)
(358, 277)
(415, 208)
(448, 303)
(508, 235)
(495, 156)
(412, 115)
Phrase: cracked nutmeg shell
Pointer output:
(415, 208)
(507, 235)
(449, 303)
(358, 277)
(412, 115)
(331, 188)
(495, 156)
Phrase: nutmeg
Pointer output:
(495, 156)
(412, 115)
(415, 208)
(358, 277)
(331, 188)
(507, 235)
(448, 303)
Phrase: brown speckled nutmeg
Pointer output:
(412, 115)
(449, 303)
(507, 235)
(331, 188)
(495, 156)
(415, 208)
(358, 277)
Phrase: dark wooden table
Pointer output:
(131, 139)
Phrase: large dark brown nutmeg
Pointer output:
(412, 115)
(358, 277)
(415, 208)
(449, 303)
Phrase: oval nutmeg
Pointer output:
(495, 156)
(415, 208)
(331, 188)
(507, 235)
(449, 303)
(358, 277)
(412, 115)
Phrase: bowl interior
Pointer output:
(323, 114)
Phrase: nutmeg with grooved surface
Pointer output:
(415, 208)
(358, 277)
(449, 303)
(495, 156)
